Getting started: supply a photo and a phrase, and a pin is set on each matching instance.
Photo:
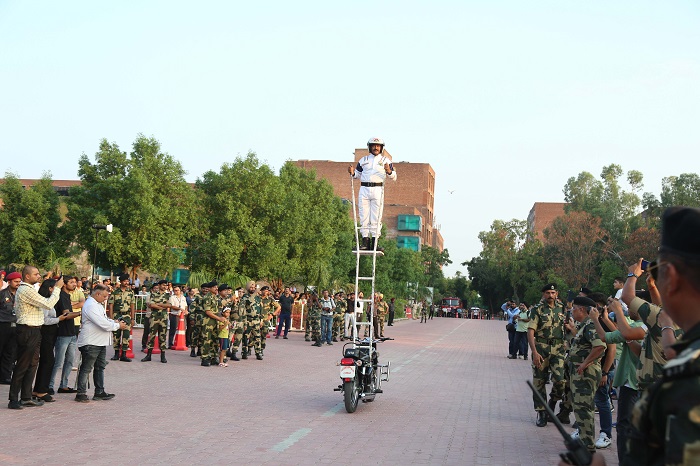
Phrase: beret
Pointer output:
(584, 301)
(549, 286)
(13, 276)
(679, 232)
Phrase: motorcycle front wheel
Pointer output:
(351, 393)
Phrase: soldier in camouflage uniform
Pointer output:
(237, 319)
(307, 327)
(251, 307)
(269, 306)
(546, 338)
(122, 306)
(584, 368)
(160, 305)
(382, 311)
(197, 315)
(313, 319)
(665, 427)
(211, 305)
(339, 316)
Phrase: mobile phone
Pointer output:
(570, 296)
(645, 265)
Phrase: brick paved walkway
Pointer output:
(453, 399)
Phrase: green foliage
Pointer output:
(143, 195)
(29, 223)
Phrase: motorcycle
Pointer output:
(361, 373)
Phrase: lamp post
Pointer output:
(97, 229)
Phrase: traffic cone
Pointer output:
(156, 347)
(179, 344)
(130, 351)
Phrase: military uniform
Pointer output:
(159, 321)
(268, 306)
(382, 311)
(651, 358)
(338, 318)
(548, 325)
(251, 307)
(313, 322)
(665, 421)
(237, 319)
(583, 387)
(122, 302)
(196, 316)
(210, 341)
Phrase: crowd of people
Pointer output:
(45, 322)
(640, 347)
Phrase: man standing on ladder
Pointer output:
(372, 170)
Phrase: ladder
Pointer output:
(373, 253)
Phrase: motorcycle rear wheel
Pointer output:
(351, 394)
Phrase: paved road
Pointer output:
(453, 399)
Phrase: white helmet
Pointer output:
(379, 141)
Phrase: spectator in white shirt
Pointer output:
(95, 336)
(180, 302)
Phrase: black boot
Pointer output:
(162, 357)
(193, 353)
(234, 357)
(148, 355)
(205, 363)
(366, 244)
(123, 357)
(258, 357)
(244, 354)
(552, 405)
(541, 419)
(116, 356)
(372, 243)
(199, 351)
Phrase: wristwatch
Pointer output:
(604, 373)
(632, 275)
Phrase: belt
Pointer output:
(371, 185)
(550, 341)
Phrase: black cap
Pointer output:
(124, 276)
(584, 301)
(224, 287)
(205, 285)
(680, 232)
(585, 291)
(550, 286)
(213, 283)
(162, 282)
(264, 288)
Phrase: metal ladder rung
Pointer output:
(363, 323)
(365, 278)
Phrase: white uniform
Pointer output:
(370, 170)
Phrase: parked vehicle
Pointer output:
(451, 307)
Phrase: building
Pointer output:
(408, 203)
(541, 216)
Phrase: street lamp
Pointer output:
(97, 229)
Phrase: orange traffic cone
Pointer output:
(130, 351)
(156, 347)
(179, 344)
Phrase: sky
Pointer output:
(505, 99)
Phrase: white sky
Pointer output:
(505, 99)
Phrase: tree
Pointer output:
(143, 195)
(434, 261)
(575, 246)
(605, 199)
(683, 190)
(29, 223)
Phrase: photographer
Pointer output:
(95, 336)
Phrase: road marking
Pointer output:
(333, 410)
(291, 440)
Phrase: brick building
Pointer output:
(541, 216)
(408, 202)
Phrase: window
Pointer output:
(408, 242)
(409, 223)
